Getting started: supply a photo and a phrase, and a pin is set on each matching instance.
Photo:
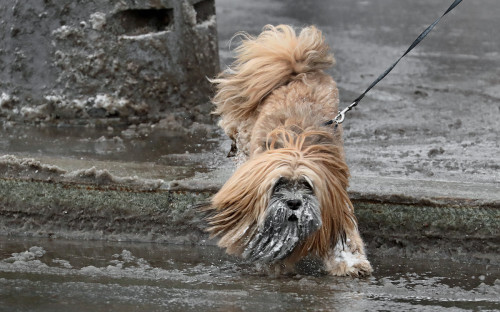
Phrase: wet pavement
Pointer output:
(428, 132)
(57, 275)
(434, 118)
(436, 115)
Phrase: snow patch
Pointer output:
(63, 263)
(7, 102)
(28, 259)
(147, 36)
(31, 113)
(28, 164)
(208, 23)
(29, 168)
(98, 20)
(112, 105)
(66, 31)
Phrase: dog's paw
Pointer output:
(348, 264)
(359, 269)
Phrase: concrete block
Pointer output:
(102, 59)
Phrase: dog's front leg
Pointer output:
(348, 258)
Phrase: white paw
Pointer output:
(344, 268)
(344, 263)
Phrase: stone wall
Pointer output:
(86, 59)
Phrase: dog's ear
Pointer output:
(241, 202)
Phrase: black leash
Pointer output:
(341, 115)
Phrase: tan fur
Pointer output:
(273, 59)
(273, 101)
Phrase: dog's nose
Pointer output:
(294, 204)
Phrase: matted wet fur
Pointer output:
(288, 198)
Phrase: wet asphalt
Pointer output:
(58, 275)
(436, 115)
(434, 118)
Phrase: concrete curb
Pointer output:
(95, 204)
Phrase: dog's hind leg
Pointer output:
(348, 258)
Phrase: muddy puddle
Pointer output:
(55, 275)
(138, 143)
(144, 150)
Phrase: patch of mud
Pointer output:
(42, 274)
(140, 155)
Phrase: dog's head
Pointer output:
(292, 215)
(286, 201)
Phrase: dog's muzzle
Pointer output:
(286, 225)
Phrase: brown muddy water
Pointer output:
(57, 275)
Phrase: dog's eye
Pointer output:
(279, 184)
(306, 185)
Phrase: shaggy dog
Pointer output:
(288, 197)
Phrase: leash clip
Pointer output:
(341, 115)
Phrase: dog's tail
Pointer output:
(274, 58)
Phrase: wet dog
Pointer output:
(288, 197)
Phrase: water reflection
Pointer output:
(39, 274)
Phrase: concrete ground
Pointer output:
(436, 116)
(423, 145)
